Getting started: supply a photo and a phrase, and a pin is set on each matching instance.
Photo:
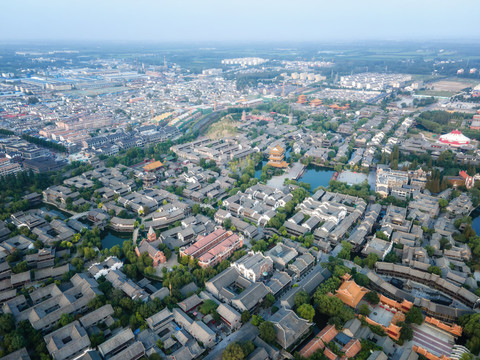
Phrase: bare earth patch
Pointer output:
(451, 85)
(226, 127)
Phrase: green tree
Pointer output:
(20, 267)
(445, 244)
(443, 203)
(346, 251)
(406, 332)
(471, 330)
(364, 309)
(245, 317)
(234, 351)
(256, 320)
(414, 316)
(97, 339)
(381, 235)
(208, 307)
(66, 319)
(267, 331)
(7, 323)
(306, 311)
(430, 250)
(16, 341)
(154, 356)
(432, 269)
(268, 301)
(196, 209)
(301, 298)
(467, 356)
(392, 257)
(372, 297)
(361, 279)
(370, 260)
(248, 347)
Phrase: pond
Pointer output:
(317, 176)
(476, 220)
(111, 238)
(314, 175)
(259, 167)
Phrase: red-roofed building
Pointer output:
(330, 354)
(475, 125)
(213, 248)
(157, 256)
(469, 180)
(351, 349)
(421, 351)
(454, 329)
(318, 342)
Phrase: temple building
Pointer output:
(276, 157)
(349, 292)
(153, 166)
(302, 99)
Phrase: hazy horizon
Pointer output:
(282, 21)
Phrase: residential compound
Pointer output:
(399, 183)
(219, 150)
(374, 81)
(257, 204)
(330, 216)
(48, 304)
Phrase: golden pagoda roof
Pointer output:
(350, 293)
(153, 166)
(281, 165)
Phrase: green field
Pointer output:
(435, 93)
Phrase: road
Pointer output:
(246, 332)
(135, 236)
(202, 124)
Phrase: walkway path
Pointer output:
(135, 236)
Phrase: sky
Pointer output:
(238, 21)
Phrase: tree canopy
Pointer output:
(306, 311)
(267, 331)
(414, 316)
(301, 298)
